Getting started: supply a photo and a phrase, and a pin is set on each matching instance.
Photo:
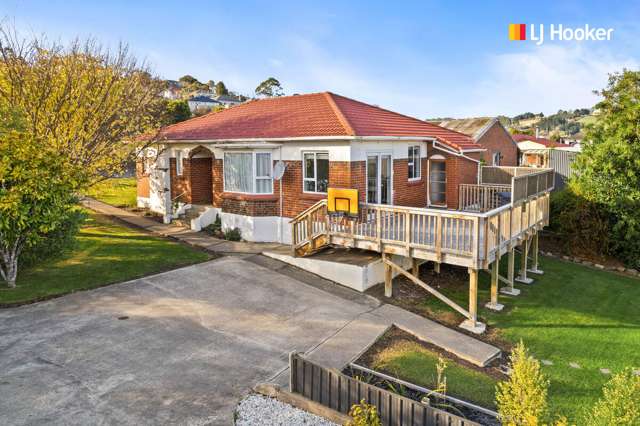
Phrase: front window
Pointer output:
(315, 172)
(413, 162)
(248, 172)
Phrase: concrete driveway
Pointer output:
(175, 348)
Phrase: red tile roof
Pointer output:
(313, 115)
(542, 141)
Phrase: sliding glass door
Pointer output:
(379, 178)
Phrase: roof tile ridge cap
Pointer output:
(338, 112)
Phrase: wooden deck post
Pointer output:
(524, 255)
(415, 266)
(388, 279)
(534, 268)
(436, 267)
(511, 266)
(493, 303)
(472, 323)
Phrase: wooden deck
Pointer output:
(506, 210)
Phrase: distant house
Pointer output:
(201, 101)
(172, 91)
(536, 151)
(228, 100)
(489, 133)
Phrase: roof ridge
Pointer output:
(341, 117)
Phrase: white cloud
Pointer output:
(543, 79)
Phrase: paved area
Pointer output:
(178, 347)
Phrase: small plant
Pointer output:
(364, 414)
(620, 402)
(233, 234)
(522, 400)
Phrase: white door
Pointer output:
(379, 178)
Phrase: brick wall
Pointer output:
(497, 139)
(409, 193)
(142, 181)
(459, 170)
(180, 185)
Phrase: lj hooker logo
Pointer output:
(539, 33)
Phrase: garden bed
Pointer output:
(399, 355)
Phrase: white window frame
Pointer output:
(253, 172)
(179, 168)
(315, 171)
(415, 163)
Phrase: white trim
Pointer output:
(253, 172)
(315, 171)
(305, 138)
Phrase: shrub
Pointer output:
(522, 400)
(233, 234)
(582, 225)
(620, 402)
(55, 242)
(364, 414)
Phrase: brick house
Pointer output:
(224, 161)
(488, 132)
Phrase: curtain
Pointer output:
(263, 173)
(238, 172)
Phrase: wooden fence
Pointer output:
(340, 392)
(498, 175)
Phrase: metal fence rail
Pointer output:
(340, 392)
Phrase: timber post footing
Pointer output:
(474, 327)
(536, 271)
(510, 291)
(494, 306)
(524, 280)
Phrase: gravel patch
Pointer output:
(262, 410)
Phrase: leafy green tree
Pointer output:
(620, 402)
(608, 168)
(177, 111)
(269, 88)
(221, 89)
(211, 84)
(80, 101)
(36, 193)
(522, 400)
(188, 80)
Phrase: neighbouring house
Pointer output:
(172, 91)
(228, 100)
(489, 133)
(201, 101)
(225, 161)
(537, 151)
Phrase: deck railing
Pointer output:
(482, 198)
(459, 238)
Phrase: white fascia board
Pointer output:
(303, 138)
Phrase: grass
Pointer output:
(413, 362)
(119, 192)
(570, 314)
(105, 252)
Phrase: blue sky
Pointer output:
(424, 58)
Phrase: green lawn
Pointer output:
(105, 253)
(416, 364)
(570, 314)
(119, 192)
